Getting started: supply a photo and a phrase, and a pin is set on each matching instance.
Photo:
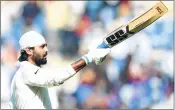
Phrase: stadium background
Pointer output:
(137, 74)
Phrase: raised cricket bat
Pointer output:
(134, 26)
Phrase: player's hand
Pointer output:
(97, 55)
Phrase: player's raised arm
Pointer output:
(41, 77)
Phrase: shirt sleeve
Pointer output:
(46, 77)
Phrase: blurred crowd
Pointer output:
(138, 73)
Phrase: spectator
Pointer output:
(87, 94)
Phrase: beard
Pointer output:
(39, 60)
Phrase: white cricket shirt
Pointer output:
(29, 86)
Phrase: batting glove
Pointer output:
(97, 55)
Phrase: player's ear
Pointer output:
(29, 51)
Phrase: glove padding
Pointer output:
(97, 55)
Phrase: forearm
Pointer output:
(78, 65)
(95, 55)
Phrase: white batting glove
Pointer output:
(96, 55)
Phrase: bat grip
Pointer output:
(103, 45)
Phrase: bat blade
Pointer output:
(147, 18)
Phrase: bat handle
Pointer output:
(103, 45)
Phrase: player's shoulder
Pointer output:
(26, 68)
(27, 65)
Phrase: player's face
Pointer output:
(40, 54)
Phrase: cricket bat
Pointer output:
(134, 26)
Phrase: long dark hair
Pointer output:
(24, 55)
